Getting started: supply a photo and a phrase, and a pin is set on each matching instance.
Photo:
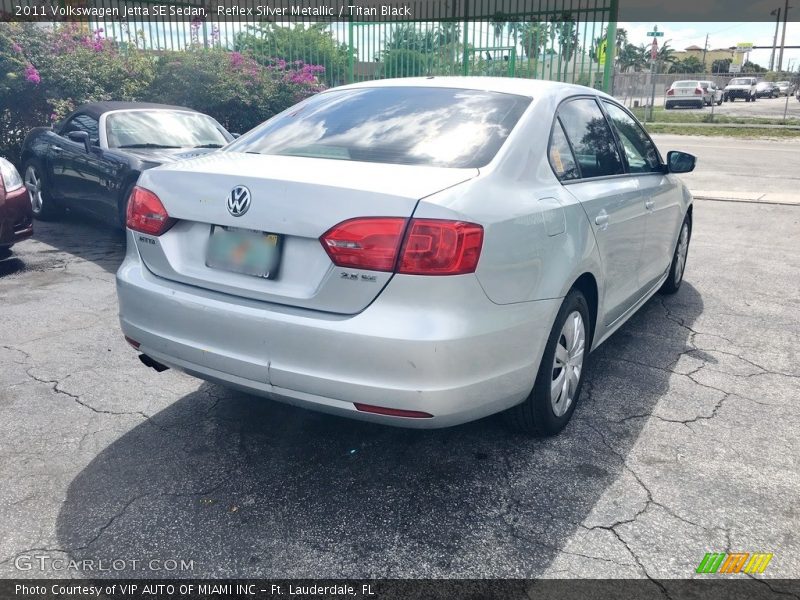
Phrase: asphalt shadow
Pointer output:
(243, 486)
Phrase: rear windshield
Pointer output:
(398, 125)
(683, 84)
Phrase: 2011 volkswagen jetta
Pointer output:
(415, 252)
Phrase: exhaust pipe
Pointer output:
(153, 364)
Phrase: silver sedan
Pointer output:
(414, 252)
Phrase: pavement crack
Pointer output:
(55, 386)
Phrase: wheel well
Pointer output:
(587, 285)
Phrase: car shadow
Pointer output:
(245, 487)
(76, 234)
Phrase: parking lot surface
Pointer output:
(684, 442)
(772, 108)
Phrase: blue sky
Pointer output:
(721, 35)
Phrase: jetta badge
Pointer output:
(238, 201)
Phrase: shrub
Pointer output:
(232, 87)
(47, 73)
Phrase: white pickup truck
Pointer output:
(741, 87)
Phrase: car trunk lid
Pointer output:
(298, 199)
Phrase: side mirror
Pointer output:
(80, 137)
(680, 162)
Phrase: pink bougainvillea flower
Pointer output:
(32, 75)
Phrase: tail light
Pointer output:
(670, 92)
(146, 213)
(698, 91)
(415, 247)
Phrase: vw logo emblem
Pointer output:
(238, 201)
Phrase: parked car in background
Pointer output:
(767, 89)
(91, 160)
(712, 94)
(741, 87)
(785, 87)
(16, 221)
(686, 93)
(417, 252)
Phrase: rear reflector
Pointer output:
(392, 412)
(146, 213)
(132, 342)
(418, 247)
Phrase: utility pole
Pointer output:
(777, 11)
(786, 8)
(705, 49)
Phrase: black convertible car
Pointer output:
(92, 159)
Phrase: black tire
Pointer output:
(44, 207)
(5, 252)
(536, 415)
(667, 106)
(719, 102)
(122, 204)
(673, 282)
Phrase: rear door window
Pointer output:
(590, 136)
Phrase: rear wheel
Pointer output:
(558, 383)
(678, 266)
(42, 204)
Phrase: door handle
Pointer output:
(601, 220)
(649, 204)
(56, 148)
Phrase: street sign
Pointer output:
(735, 69)
(655, 32)
(743, 47)
(602, 50)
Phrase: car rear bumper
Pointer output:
(415, 348)
(16, 220)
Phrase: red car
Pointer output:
(16, 218)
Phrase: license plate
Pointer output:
(244, 251)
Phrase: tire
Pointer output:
(5, 252)
(679, 257)
(122, 205)
(43, 206)
(719, 102)
(538, 414)
(667, 106)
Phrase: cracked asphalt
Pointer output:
(684, 442)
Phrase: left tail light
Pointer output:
(698, 91)
(146, 213)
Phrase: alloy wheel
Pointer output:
(33, 183)
(680, 255)
(568, 363)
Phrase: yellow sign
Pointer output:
(602, 48)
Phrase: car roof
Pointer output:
(534, 88)
(95, 109)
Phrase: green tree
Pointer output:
(312, 44)
(721, 65)
(631, 58)
(690, 64)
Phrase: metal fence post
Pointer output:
(465, 53)
(611, 48)
(350, 47)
